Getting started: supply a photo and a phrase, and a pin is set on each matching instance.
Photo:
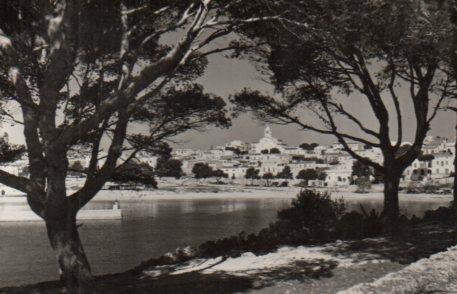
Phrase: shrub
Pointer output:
(354, 225)
(441, 214)
(312, 216)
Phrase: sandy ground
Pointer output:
(318, 269)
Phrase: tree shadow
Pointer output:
(412, 244)
(202, 281)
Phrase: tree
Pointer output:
(361, 170)
(137, 173)
(235, 150)
(298, 158)
(253, 174)
(321, 176)
(169, 168)
(83, 72)
(161, 150)
(307, 174)
(426, 157)
(308, 147)
(219, 174)
(9, 152)
(285, 173)
(264, 151)
(202, 170)
(268, 177)
(322, 53)
(275, 151)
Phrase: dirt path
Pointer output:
(341, 279)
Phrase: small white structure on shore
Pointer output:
(23, 214)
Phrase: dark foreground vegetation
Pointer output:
(313, 219)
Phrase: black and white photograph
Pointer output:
(228, 146)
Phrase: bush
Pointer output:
(312, 219)
(313, 216)
(441, 214)
(354, 225)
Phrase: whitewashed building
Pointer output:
(268, 142)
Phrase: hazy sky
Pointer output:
(226, 76)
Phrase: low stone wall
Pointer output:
(428, 275)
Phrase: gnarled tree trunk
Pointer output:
(65, 241)
(60, 217)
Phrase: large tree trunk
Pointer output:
(391, 204)
(65, 241)
(60, 217)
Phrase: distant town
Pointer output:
(270, 158)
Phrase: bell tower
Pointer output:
(267, 132)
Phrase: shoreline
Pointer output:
(209, 192)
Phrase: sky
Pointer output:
(227, 76)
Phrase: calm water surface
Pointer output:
(149, 229)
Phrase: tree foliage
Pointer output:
(168, 167)
(321, 54)
(426, 157)
(137, 173)
(219, 174)
(252, 173)
(9, 152)
(268, 177)
(286, 173)
(361, 170)
(308, 147)
(275, 151)
(202, 170)
(307, 175)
